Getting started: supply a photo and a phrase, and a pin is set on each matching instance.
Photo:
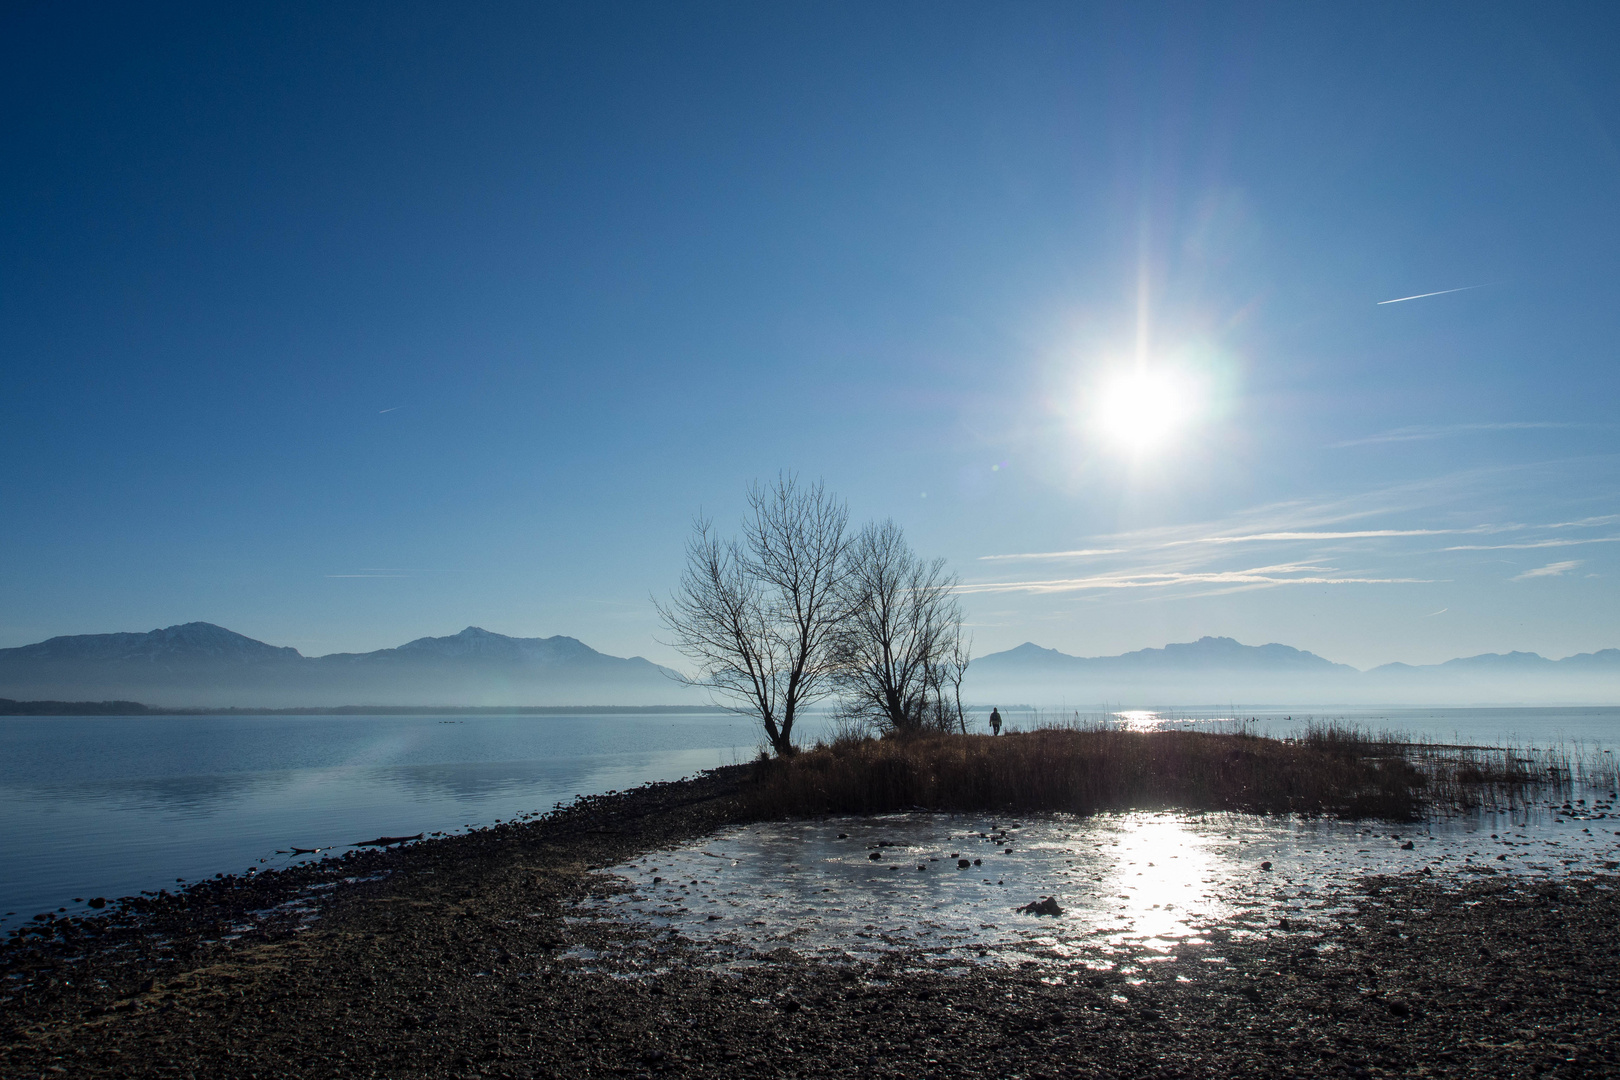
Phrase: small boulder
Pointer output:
(1047, 906)
(963, 864)
(1408, 846)
(1265, 866)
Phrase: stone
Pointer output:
(1047, 906)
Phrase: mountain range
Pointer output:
(200, 664)
(1217, 670)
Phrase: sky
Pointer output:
(346, 324)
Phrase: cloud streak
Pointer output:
(1556, 569)
(1353, 535)
(1426, 295)
(1422, 432)
(1285, 574)
(1556, 542)
(1079, 554)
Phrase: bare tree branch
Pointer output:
(757, 615)
(901, 637)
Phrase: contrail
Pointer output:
(1421, 295)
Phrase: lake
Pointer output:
(109, 806)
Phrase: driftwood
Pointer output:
(385, 841)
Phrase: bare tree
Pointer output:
(901, 635)
(952, 669)
(757, 614)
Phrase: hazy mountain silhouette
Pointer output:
(200, 664)
(1217, 670)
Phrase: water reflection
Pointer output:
(110, 806)
(1134, 888)
(1162, 873)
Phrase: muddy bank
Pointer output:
(469, 956)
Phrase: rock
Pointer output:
(1408, 846)
(963, 864)
(1265, 866)
(875, 856)
(1399, 1007)
(98, 901)
(1048, 906)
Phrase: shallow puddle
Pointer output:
(1133, 888)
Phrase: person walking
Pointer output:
(995, 721)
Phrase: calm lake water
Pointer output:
(108, 806)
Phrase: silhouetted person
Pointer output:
(995, 721)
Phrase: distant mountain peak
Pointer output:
(1205, 651)
(201, 663)
(1029, 648)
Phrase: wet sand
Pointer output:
(488, 954)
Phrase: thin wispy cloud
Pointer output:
(394, 408)
(1582, 523)
(1281, 536)
(1078, 554)
(1422, 432)
(1556, 569)
(1358, 534)
(1426, 295)
(1556, 542)
(1285, 574)
(1180, 563)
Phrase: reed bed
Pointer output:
(1329, 770)
(1460, 777)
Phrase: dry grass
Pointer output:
(1331, 770)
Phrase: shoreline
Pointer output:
(462, 956)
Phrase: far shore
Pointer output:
(9, 707)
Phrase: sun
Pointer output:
(1141, 411)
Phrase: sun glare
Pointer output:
(1140, 411)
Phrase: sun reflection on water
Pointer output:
(1133, 888)
(1163, 875)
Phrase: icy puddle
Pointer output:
(1132, 888)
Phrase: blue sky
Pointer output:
(341, 325)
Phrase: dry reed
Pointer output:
(1330, 770)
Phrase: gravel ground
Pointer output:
(468, 956)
